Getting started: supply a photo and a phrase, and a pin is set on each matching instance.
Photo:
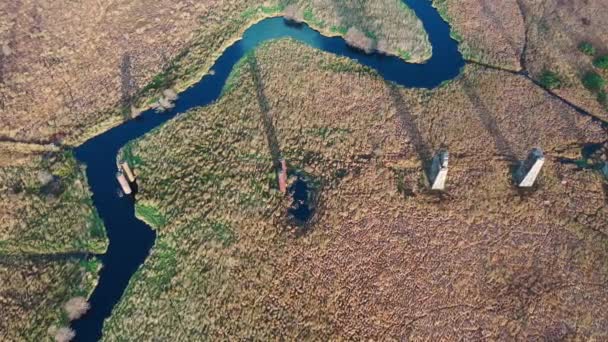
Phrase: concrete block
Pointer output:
(530, 169)
(124, 184)
(439, 170)
(127, 171)
(283, 177)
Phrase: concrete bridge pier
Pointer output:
(529, 170)
(439, 170)
(124, 183)
(283, 177)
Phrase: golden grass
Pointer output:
(555, 30)
(497, 33)
(489, 32)
(34, 290)
(45, 204)
(71, 71)
(383, 258)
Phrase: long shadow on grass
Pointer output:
(269, 130)
(408, 123)
(496, 19)
(127, 83)
(489, 121)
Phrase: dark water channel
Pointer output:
(131, 239)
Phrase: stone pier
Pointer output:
(439, 170)
(124, 184)
(127, 171)
(529, 170)
(283, 176)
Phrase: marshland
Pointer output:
(377, 255)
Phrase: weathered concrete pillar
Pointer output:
(439, 170)
(283, 177)
(528, 171)
(127, 171)
(124, 184)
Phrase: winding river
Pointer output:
(131, 239)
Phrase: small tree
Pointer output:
(550, 79)
(76, 307)
(593, 81)
(293, 13)
(602, 97)
(601, 62)
(587, 48)
(64, 334)
(357, 39)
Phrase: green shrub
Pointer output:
(601, 62)
(593, 81)
(602, 97)
(550, 79)
(587, 48)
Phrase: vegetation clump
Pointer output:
(601, 62)
(587, 48)
(593, 81)
(359, 40)
(76, 307)
(550, 79)
(64, 334)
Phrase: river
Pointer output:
(131, 239)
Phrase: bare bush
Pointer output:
(383, 47)
(44, 177)
(64, 334)
(76, 307)
(170, 94)
(293, 13)
(357, 39)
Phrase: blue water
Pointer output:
(131, 239)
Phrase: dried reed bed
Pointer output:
(68, 70)
(392, 27)
(71, 71)
(497, 33)
(555, 30)
(383, 258)
(34, 290)
(45, 204)
(489, 32)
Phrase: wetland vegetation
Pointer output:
(46, 205)
(359, 248)
(209, 174)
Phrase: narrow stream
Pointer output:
(131, 239)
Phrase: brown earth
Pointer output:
(383, 258)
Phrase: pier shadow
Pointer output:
(489, 122)
(496, 19)
(408, 124)
(302, 191)
(269, 129)
(127, 83)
